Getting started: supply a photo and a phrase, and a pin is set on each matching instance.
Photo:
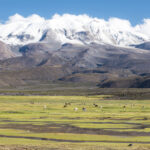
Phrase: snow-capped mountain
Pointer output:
(67, 28)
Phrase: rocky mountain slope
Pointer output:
(5, 51)
(97, 64)
(145, 45)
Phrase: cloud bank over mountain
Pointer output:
(76, 29)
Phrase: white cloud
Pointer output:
(144, 28)
(15, 18)
(120, 24)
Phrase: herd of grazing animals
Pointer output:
(83, 108)
(97, 106)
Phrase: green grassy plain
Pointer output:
(42, 122)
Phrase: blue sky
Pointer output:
(133, 10)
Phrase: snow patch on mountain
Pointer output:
(76, 29)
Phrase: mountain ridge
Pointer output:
(74, 49)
